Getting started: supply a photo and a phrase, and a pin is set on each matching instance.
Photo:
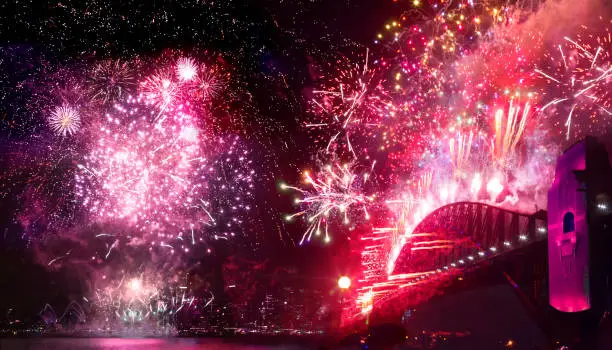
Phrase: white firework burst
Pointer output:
(65, 120)
(186, 69)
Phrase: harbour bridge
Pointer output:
(557, 263)
(450, 241)
(460, 237)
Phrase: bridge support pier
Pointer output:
(580, 239)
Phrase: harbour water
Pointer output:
(136, 344)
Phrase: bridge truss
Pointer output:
(449, 240)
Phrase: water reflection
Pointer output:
(132, 344)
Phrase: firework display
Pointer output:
(110, 81)
(144, 163)
(461, 101)
(336, 191)
(140, 299)
(65, 120)
(152, 175)
(352, 104)
(156, 176)
(579, 75)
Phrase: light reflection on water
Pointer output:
(133, 344)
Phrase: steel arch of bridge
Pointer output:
(477, 227)
(478, 232)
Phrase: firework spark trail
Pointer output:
(568, 122)
(424, 182)
(564, 61)
(553, 102)
(461, 152)
(52, 261)
(504, 144)
(111, 248)
(546, 75)
(209, 302)
(586, 52)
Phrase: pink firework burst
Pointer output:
(148, 175)
(65, 120)
(164, 179)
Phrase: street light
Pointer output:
(344, 282)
